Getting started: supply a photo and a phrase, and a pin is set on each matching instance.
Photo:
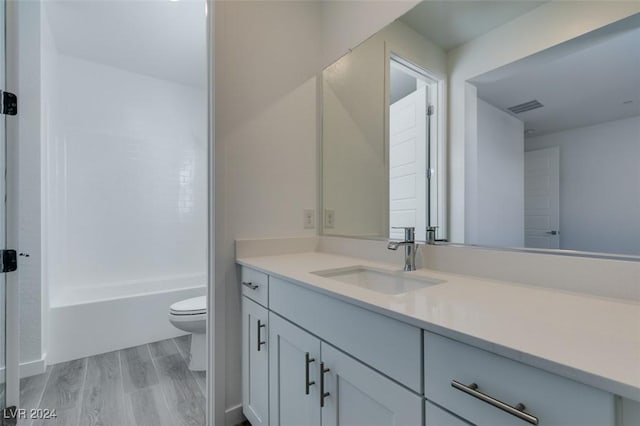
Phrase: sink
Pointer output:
(378, 280)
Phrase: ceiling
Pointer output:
(595, 84)
(163, 39)
(451, 23)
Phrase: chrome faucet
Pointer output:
(409, 244)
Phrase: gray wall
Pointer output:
(599, 185)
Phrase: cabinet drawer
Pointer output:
(255, 285)
(389, 346)
(553, 400)
(436, 416)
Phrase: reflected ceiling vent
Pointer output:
(527, 106)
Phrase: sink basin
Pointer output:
(378, 280)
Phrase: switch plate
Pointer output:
(329, 218)
(309, 219)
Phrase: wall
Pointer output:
(265, 149)
(498, 180)
(355, 182)
(29, 181)
(515, 40)
(599, 185)
(127, 185)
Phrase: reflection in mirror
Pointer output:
(557, 149)
(532, 143)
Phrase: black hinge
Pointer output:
(9, 103)
(9, 260)
(430, 110)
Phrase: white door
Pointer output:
(294, 360)
(357, 395)
(255, 363)
(542, 198)
(408, 164)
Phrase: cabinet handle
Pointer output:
(250, 285)
(517, 411)
(307, 384)
(323, 394)
(260, 342)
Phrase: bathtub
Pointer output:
(85, 321)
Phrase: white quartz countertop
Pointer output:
(589, 339)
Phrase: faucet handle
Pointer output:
(409, 232)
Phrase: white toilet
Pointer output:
(191, 315)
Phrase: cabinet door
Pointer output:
(358, 395)
(294, 360)
(255, 363)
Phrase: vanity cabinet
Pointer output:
(486, 389)
(255, 362)
(313, 383)
(312, 359)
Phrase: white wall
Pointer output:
(267, 56)
(29, 203)
(515, 40)
(355, 182)
(127, 179)
(495, 200)
(599, 185)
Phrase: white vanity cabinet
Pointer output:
(313, 359)
(255, 362)
(313, 383)
(294, 363)
(486, 389)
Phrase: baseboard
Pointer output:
(31, 368)
(27, 369)
(233, 416)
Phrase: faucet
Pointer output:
(409, 244)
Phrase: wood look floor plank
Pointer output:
(31, 389)
(201, 379)
(147, 407)
(163, 348)
(138, 371)
(62, 393)
(183, 395)
(103, 396)
(184, 345)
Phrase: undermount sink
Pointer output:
(378, 280)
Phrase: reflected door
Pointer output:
(542, 198)
(408, 165)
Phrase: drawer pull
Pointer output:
(250, 285)
(323, 394)
(307, 384)
(260, 342)
(517, 411)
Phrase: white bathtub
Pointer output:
(86, 321)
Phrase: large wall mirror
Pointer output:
(460, 116)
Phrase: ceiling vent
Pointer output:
(527, 106)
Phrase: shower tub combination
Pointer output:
(85, 321)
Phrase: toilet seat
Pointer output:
(193, 306)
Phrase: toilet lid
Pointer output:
(193, 306)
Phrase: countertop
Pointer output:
(589, 339)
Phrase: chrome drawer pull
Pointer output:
(250, 285)
(517, 411)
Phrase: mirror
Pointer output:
(462, 116)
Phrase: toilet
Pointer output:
(191, 315)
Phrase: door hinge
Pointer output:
(9, 103)
(430, 172)
(431, 110)
(9, 260)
